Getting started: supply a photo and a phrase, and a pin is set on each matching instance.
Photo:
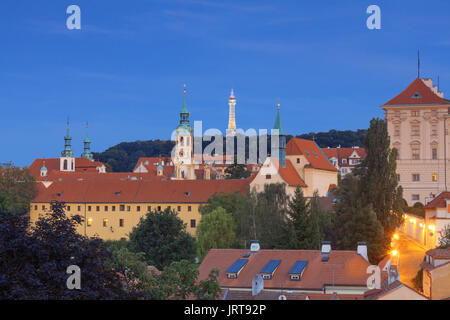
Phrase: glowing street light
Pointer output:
(396, 236)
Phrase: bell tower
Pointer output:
(67, 159)
(184, 167)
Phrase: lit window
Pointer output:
(105, 223)
(89, 222)
(434, 177)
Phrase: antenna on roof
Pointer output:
(418, 64)
(438, 85)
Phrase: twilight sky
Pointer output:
(124, 70)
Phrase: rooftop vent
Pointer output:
(236, 268)
(187, 194)
(325, 259)
(270, 268)
(254, 246)
(326, 247)
(297, 270)
(362, 250)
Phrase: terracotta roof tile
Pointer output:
(138, 191)
(348, 268)
(426, 95)
(315, 156)
(439, 201)
(289, 174)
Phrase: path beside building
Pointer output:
(411, 254)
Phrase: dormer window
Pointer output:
(268, 271)
(416, 96)
(297, 270)
(236, 268)
(117, 193)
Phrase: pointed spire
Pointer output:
(232, 93)
(87, 154)
(184, 109)
(278, 125)
(67, 142)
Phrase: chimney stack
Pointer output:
(362, 250)
(254, 246)
(326, 247)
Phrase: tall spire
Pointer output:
(184, 114)
(232, 115)
(67, 142)
(278, 125)
(282, 138)
(87, 145)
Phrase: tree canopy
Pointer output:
(162, 237)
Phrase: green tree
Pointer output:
(179, 281)
(34, 260)
(216, 230)
(305, 224)
(418, 281)
(357, 221)
(237, 171)
(18, 188)
(444, 241)
(162, 236)
(377, 172)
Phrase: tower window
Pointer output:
(65, 164)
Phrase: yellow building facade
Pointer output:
(114, 220)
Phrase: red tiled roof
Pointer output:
(312, 153)
(439, 201)
(427, 96)
(53, 164)
(439, 253)
(289, 174)
(348, 268)
(344, 153)
(139, 191)
(290, 295)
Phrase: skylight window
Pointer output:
(236, 268)
(270, 268)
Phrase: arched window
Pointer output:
(65, 164)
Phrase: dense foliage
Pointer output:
(17, 188)
(162, 237)
(178, 281)
(33, 261)
(216, 230)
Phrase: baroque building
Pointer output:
(417, 121)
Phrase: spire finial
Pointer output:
(184, 88)
(278, 106)
(232, 93)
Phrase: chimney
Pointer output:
(362, 250)
(326, 247)
(254, 246)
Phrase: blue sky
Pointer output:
(124, 71)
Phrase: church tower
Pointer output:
(87, 154)
(184, 167)
(231, 131)
(67, 159)
(282, 139)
